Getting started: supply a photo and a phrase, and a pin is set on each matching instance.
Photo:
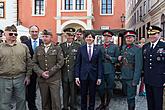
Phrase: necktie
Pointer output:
(152, 47)
(89, 53)
(34, 45)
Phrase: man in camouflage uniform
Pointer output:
(48, 60)
(69, 49)
(131, 60)
(79, 36)
(110, 53)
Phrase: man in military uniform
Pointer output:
(79, 36)
(154, 68)
(110, 53)
(48, 60)
(69, 49)
(131, 60)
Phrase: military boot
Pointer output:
(131, 107)
(101, 106)
(109, 96)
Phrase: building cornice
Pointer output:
(73, 17)
(156, 8)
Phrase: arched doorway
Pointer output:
(163, 26)
(73, 25)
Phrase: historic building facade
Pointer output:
(143, 13)
(59, 14)
(8, 13)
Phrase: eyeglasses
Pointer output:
(11, 34)
(79, 34)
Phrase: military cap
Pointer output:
(153, 30)
(69, 31)
(11, 28)
(46, 32)
(107, 33)
(79, 30)
(130, 33)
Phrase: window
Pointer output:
(39, 7)
(68, 4)
(106, 7)
(79, 4)
(144, 8)
(2, 10)
(163, 25)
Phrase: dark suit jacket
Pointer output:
(154, 64)
(29, 44)
(86, 69)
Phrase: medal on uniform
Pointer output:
(158, 58)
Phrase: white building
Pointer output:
(143, 13)
(8, 13)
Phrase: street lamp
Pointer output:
(122, 19)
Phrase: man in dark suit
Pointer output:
(32, 43)
(69, 48)
(154, 68)
(88, 70)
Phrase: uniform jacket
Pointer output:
(112, 52)
(131, 63)
(69, 60)
(154, 64)
(51, 61)
(86, 69)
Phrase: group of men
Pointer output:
(78, 64)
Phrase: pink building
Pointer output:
(59, 14)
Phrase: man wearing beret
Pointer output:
(15, 70)
(131, 66)
(48, 60)
(88, 70)
(154, 68)
(110, 53)
(70, 49)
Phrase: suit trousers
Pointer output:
(154, 97)
(8, 88)
(68, 94)
(31, 92)
(88, 87)
(50, 95)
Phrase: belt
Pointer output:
(12, 77)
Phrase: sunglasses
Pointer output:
(11, 34)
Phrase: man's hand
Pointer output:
(27, 80)
(120, 58)
(45, 74)
(77, 81)
(108, 57)
(98, 82)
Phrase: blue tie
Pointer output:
(34, 45)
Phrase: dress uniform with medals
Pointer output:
(69, 49)
(154, 68)
(131, 66)
(48, 60)
(110, 53)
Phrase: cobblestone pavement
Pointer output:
(117, 103)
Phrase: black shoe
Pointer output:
(101, 107)
(65, 109)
